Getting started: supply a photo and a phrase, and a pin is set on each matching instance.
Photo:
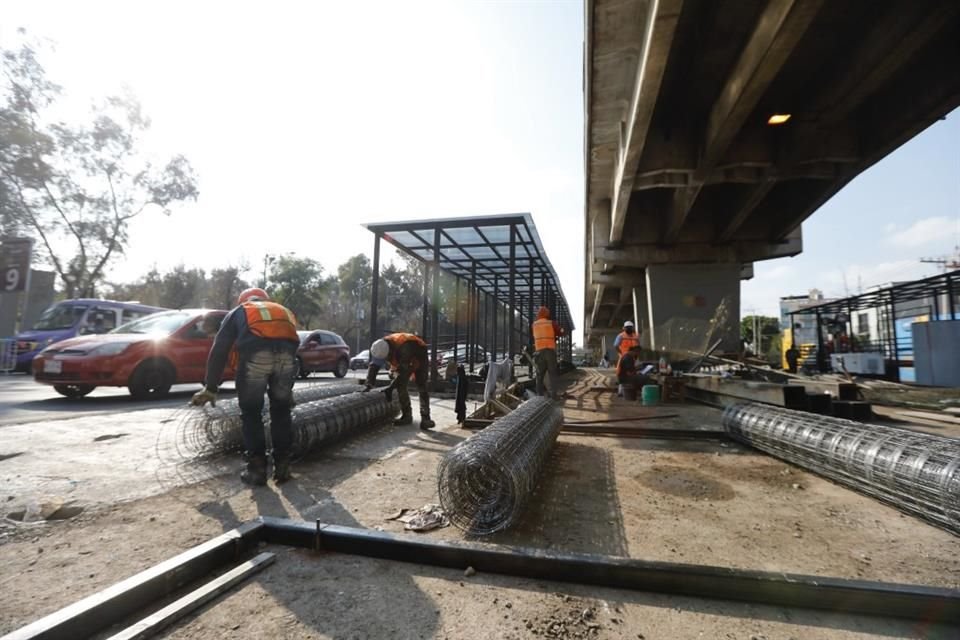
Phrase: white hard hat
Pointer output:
(628, 323)
(380, 349)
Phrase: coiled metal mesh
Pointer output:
(918, 473)
(485, 481)
(214, 430)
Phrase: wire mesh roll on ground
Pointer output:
(916, 472)
(218, 429)
(485, 481)
(323, 421)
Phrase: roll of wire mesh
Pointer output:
(485, 481)
(915, 472)
(214, 430)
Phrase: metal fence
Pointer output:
(8, 355)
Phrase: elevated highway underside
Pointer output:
(687, 184)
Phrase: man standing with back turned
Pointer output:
(266, 337)
(545, 333)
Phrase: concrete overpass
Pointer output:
(687, 183)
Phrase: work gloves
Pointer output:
(388, 392)
(201, 398)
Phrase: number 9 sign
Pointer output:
(14, 264)
(11, 279)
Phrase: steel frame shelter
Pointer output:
(941, 294)
(501, 269)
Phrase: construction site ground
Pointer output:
(687, 501)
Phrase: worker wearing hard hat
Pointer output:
(266, 338)
(626, 339)
(545, 333)
(407, 354)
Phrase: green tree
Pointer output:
(298, 284)
(182, 287)
(77, 187)
(769, 327)
(224, 286)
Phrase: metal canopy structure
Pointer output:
(937, 298)
(501, 260)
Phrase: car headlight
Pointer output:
(109, 349)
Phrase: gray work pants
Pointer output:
(546, 361)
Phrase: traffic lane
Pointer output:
(24, 400)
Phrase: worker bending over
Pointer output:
(407, 354)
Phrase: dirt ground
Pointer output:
(699, 502)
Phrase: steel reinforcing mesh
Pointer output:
(485, 482)
(214, 430)
(918, 473)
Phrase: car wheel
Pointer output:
(301, 372)
(341, 369)
(73, 390)
(151, 380)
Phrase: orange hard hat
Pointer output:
(253, 293)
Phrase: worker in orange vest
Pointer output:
(626, 339)
(545, 334)
(406, 353)
(265, 334)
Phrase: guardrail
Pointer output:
(8, 355)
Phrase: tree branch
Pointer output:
(36, 225)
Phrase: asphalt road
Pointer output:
(23, 400)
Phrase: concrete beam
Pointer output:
(778, 30)
(884, 53)
(597, 303)
(661, 23)
(743, 251)
(754, 198)
(627, 278)
(626, 298)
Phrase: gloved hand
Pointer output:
(201, 398)
(388, 392)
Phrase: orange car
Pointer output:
(148, 355)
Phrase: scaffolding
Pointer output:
(501, 271)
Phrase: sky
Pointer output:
(305, 120)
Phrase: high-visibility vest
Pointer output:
(543, 335)
(398, 339)
(627, 342)
(271, 320)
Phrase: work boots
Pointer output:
(405, 419)
(281, 468)
(256, 471)
(425, 422)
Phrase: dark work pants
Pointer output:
(271, 372)
(420, 376)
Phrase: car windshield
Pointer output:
(61, 316)
(304, 335)
(158, 323)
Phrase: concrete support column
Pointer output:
(683, 302)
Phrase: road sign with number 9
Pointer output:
(14, 264)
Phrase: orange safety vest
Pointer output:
(398, 339)
(271, 320)
(543, 335)
(627, 342)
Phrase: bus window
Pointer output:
(59, 317)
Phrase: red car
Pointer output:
(148, 355)
(322, 351)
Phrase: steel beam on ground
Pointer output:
(182, 607)
(838, 595)
(726, 391)
(117, 602)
